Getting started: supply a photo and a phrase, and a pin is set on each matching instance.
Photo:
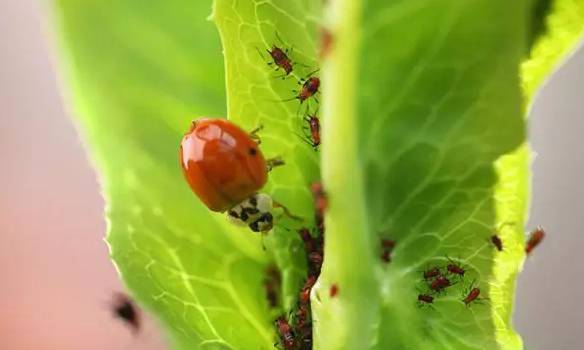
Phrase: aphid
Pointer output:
(425, 298)
(431, 273)
(440, 283)
(309, 88)
(301, 316)
(334, 290)
(314, 128)
(326, 42)
(305, 291)
(387, 246)
(279, 57)
(535, 238)
(222, 163)
(496, 240)
(320, 200)
(309, 241)
(315, 258)
(455, 269)
(472, 296)
(272, 284)
(287, 337)
(125, 309)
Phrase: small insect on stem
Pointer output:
(124, 308)
(471, 296)
(334, 290)
(320, 204)
(326, 42)
(535, 238)
(309, 241)
(496, 240)
(305, 292)
(287, 337)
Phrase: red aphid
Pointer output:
(386, 256)
(534, 239)
(431, 273)
(334, 291)
(287, 338)
(472, 296)
(305, 292)
(281, 59)
(301, 317)
(314, 126)
(455, 269)
(326, 42)
(440, 283)
(124, 308)
(309, 241)
(315, 258)
(309, 89)
(425, 298)
(320, 200)
(496, 240)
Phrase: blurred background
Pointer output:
(56, 280)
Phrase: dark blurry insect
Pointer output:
(431, 273)
(535, 238)
(334, 291)
(124, 308)
(272, 283)
(320, 200)
(287, 337)
(471, 296)
(314, 129)
(440, 283)
(496, 240)
(326, 42)
(387, 246)
(425, 298)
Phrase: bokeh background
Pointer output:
(56, 279)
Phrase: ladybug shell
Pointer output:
(222, 163)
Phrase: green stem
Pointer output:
(347, 320)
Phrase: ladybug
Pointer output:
(222, 164)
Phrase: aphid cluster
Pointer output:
(438, 279)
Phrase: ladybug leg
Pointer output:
(254, 134)
(287, 211)
(274, 162)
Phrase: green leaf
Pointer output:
(139, 74)
(422, 113)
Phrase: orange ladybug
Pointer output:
(222, 163)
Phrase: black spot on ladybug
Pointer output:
(252, 151)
